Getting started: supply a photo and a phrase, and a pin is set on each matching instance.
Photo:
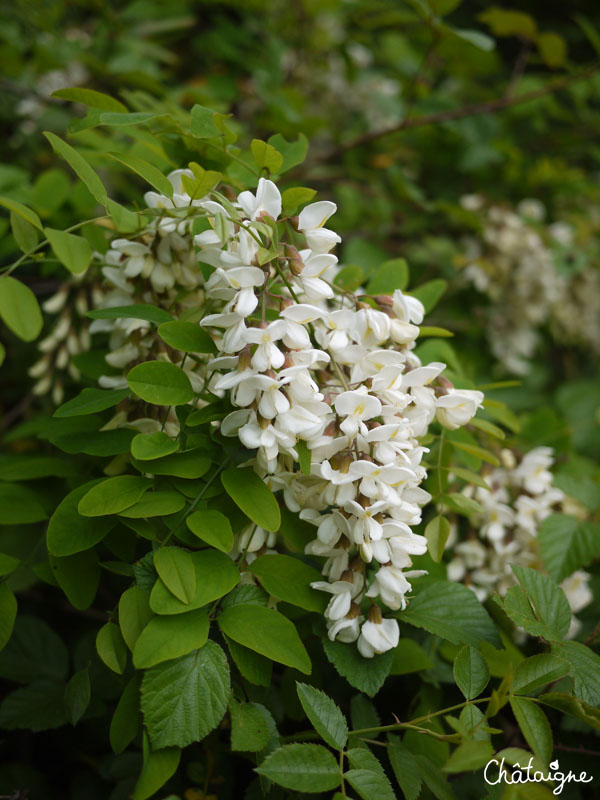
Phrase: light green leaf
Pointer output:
(568, 704)
(478, 452)
(367, 776)
(584, 669)
(165, 638)
(68, 532)
(433, 608)
(391, 275)
(213, 528)
(253, 496)
(113, 495)
(176, 570)
(26, 235)
(505, 22)
(537, 671)
(146, 446)
(307, 768)
(155, 504)
(91, 98)
(534, 727)
(78, 576)
(187, 337)
(203, 124)
(79, 166)
(266, 156)
(134, 614)
(122, 119)
(77, 695)
(430, 293)
(436, 533)
(293, 153)
(249, 731)
(324, 715)
(145, 170)
(184, 700)
(567, 543)
(89, 401)
(469, 756)
(189, 464)
(365, 674)
(471, 672)
(19, 309)
(304, 457)
(462, 504)
(476, 38)
(158, 768)
(267, 632)
(73, 251)
(295, 197)
(111, 647)
(468, 476)
(144, 311)
(8, 613)
(216, 575)
(549, 615)
(288, 579)
(22, 211)
(160, 383)
(127, 719)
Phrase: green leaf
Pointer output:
(22, 211)
(433, 608)
(253, 496)
(534, 727)
(122, 119)
(409, 657)
(33, 651)
(537, 671)
(295, 197)
(549, 614)
(349, 278)
(568, 704)
(89, 401)
(146, 446)
(113, 495)
(176, 570)
(367, 776)
(160, 383)
(487, 427)
(19, 505)
(79, 166)
(144, 311)
(19, 309)
(567, 543)
(134, 614)
(184, 700)
(471, 673)
(40, 706)
(101, 443)
(406, 768)
(288, 579)
(267, 632)
(478, 452)
(504, 22)
(158, 768)
(165, 638)
(304, 456)
(26, 235)
(584, 668)
(390, 276)
(190, 464)
(91, 98)
(458, 502)
(365, 674)
(293, 153)
(249, 731)
(469, 756)
(324, 715)
(436, 533)
(430, 293)
(216, 575)
(307, 768)
(474, 37)
(155, 504)
(148, 172)
(252, 666)
(111, 647)
(8, 613)
(432, 330)
(468, 476)
(68, 532)
(32, 467)
(77, 695)
(266, 156)
(127, 719)
(203, 123)
(8, 564)
(213, 528)
(78, 576)
(73, 251)
(187, 337)
(202, 183)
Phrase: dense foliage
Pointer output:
(299, 482)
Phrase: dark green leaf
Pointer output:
(77, 695)
(365, 674)
(289, 579)
(160, 383)
(187, 337)
(471, 673)
(136, 311)
(324, 715)
(89, 401)
(303, 767)
(68, 532)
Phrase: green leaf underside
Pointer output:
(90, 401)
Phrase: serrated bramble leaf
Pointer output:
(534, 726)
(471, 672)
(249, 730)
(324, 715)
(307, 768)
(537, 671)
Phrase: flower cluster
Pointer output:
(533, 277)
(520, 497)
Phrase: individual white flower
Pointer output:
(533, 472)
(356, 406)
(378, 637)
(267, 200)
(391, 586)
(458, 407)
(311, 221)
(344, 591)
(346, 629)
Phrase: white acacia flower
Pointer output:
(458, 407)
(392, 586)
(378, 637)
(267, 355)
(311, 222)
(267, 200)
(343, 592)
(356, 406)
(346, 629)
